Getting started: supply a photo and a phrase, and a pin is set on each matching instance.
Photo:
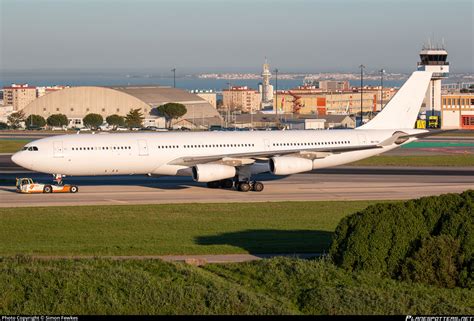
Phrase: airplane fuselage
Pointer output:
(154, 153)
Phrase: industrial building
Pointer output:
(457, 111)
(291, 121)
(311, 101)
(334, 85)
(76, 102)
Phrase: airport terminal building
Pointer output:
(76, 102)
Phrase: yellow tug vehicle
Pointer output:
(28, 186)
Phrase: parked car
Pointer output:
(153, 128)
(121, 129)
(58, 128)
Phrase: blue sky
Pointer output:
(212, 35)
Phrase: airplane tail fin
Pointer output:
(402, 110)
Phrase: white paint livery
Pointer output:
(213, 156)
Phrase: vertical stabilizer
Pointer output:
(402, 110)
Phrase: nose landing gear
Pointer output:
(58, 178)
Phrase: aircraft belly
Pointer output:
(100, 166)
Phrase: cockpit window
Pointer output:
(30, 148)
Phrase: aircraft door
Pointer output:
(142, 147)
(266, 143)
(362, 139)
(58, 149)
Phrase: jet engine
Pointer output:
(212, 172)
(289, 165)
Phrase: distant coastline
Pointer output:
(204, 81)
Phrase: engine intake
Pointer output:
(289, 165)
(212, 172)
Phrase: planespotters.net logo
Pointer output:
(439, 318)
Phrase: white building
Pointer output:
(265, 88)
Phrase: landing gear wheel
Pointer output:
(244, 187)
(47, 189)
(257, 186)
(73, 189)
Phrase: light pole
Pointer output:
(361, 92)
(174, 77)
(276, 93)
(230, 103)
(381, 88)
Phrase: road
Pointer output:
(340, 183)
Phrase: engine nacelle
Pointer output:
(212, 172)
(289, 165)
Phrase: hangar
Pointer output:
(77, 102)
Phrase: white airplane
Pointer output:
(229, 159)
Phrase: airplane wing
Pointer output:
(240, 159)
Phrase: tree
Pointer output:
(134, 118)
(115, 121)
(93, 121)
(57, 120)
(15, 119)
(3, 125)
(35, 121)
(172, 111)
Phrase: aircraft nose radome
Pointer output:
(17, 159)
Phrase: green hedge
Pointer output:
(429, 240)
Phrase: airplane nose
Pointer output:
(17, 158)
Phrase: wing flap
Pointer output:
(240, 159)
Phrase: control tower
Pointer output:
(266, 89)
(433, 59)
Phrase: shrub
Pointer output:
(436, 262)
(15, 119)
(382, 238)
(57, 120)
(115, 120)
(93, 120)
(35, 121)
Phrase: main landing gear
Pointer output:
(242, 186)
(242, 181)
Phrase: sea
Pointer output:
(189, 82)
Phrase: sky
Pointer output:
(232, 36)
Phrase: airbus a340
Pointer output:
(230, 159)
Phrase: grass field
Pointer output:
(421, 161)
(285, 227)
(276, 286)
(11, 146)
(458, 134)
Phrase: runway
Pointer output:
(340, 183)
